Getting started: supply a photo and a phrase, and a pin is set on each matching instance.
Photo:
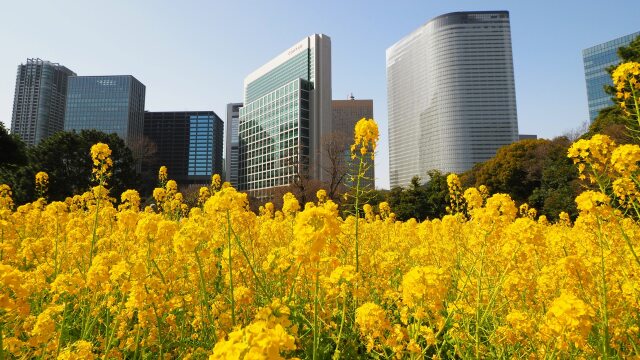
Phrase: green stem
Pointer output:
(246, 257)
(233, 310)
(2, 342)
(135, 354)
(478, 300)
(205, 296)
(95, 228)
(344, 308)
(293, 283)
(628, 241)
(605, 316)
(357, 212)
(153, 262)
(55, 260)
(64, 317)
(108, 344)
(316, 335)
(635, 102)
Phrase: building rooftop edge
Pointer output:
(421, 27)
(96, 76)
(637, 33)
(468, 12)
(181, 111)
(282, 57)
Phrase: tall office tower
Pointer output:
(286, 112)
(451, 94)
(346, 114)
(232, 143)
(112, 104)
(39, 100)
(188, 143)
(596, 61)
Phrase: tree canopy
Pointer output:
(66, 159)
(536, 172)
(421, 201)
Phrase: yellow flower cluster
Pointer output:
(365, 137)
(626, 79)
(42, 179)
(163, 174)
(86, 278)
(568, 322)
(614, 168)
(101, 156)
(264, 338)
(42, 182)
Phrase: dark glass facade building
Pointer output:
(189, 144)
(596, 61)
(39, 101)
(112, 104)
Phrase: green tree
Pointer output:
(437, 194)
(420, 201)
(613, 122)
(13, 163)
(65, 156)
(559, 184)
(12, 149)
(514, 170)
(536, 172)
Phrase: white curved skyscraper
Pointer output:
(451, 94)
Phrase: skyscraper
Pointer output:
(232, 143)
(188, 143)
(346, 113)
(39, 100)
(596, 61)
(112, 104)
(286, 112)
(451, 94)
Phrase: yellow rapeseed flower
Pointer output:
(365, 137)
(101, 156)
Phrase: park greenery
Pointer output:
(63, 157)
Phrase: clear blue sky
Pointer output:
(194, 55)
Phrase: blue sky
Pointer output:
(194, 55)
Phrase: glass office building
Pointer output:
(39, 101)
(188, 143)
(232, 143)
(287, 110)
(596, 61)
(112, 104)
(451, 94)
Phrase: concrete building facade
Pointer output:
(346, 113)
(40, 100)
